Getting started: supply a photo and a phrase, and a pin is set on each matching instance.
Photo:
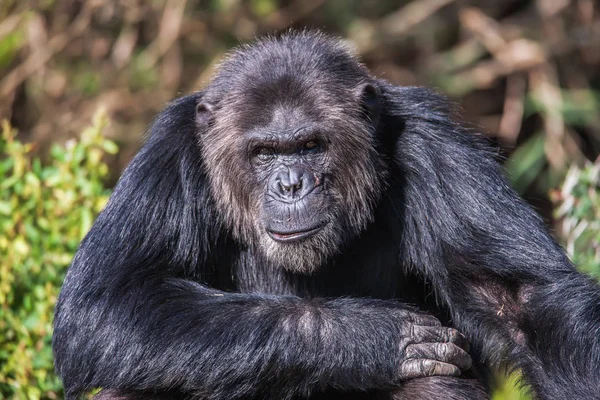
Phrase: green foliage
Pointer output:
(578, 208)
(579, 107)
(510, 389)
(9, 46)
(263, 7)
(45, 210)
(526, 163)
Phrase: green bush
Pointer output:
(578, 209)
(45, 210)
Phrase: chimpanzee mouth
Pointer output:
(292, 236)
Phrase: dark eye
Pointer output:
(264, 153)
(311, 145)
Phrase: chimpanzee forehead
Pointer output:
(288, 65)
(292, 75)
(287, 122)
(282, 112)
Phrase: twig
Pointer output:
(409, 16)
(397, 24)
(35, 61)
(170, 27)
(512, 115)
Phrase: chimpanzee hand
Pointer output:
(429, 349)
(392, 343)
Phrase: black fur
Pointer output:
(165, 299)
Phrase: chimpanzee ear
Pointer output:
(204, 114)
(370, 100)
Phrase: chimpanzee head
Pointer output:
(287, 129)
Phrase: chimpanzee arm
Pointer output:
(132, 315)
(176, 334)
(507, 283)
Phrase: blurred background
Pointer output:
(81, 80)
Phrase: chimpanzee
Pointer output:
(301, 229)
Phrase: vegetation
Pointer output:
(578, 210)
(526, 71)
(45, 210)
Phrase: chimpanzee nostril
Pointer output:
(289, 186)
(284, 188)
(296, 186)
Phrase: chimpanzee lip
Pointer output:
(292, 236)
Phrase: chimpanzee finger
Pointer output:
(424, 319)
(420, 368)
(434, 334)
(445, 352)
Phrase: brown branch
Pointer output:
(57, 43)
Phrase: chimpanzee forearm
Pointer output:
(178, 334)
(561, 324)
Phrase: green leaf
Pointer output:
(526, 163)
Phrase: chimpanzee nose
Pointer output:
(290, 182)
